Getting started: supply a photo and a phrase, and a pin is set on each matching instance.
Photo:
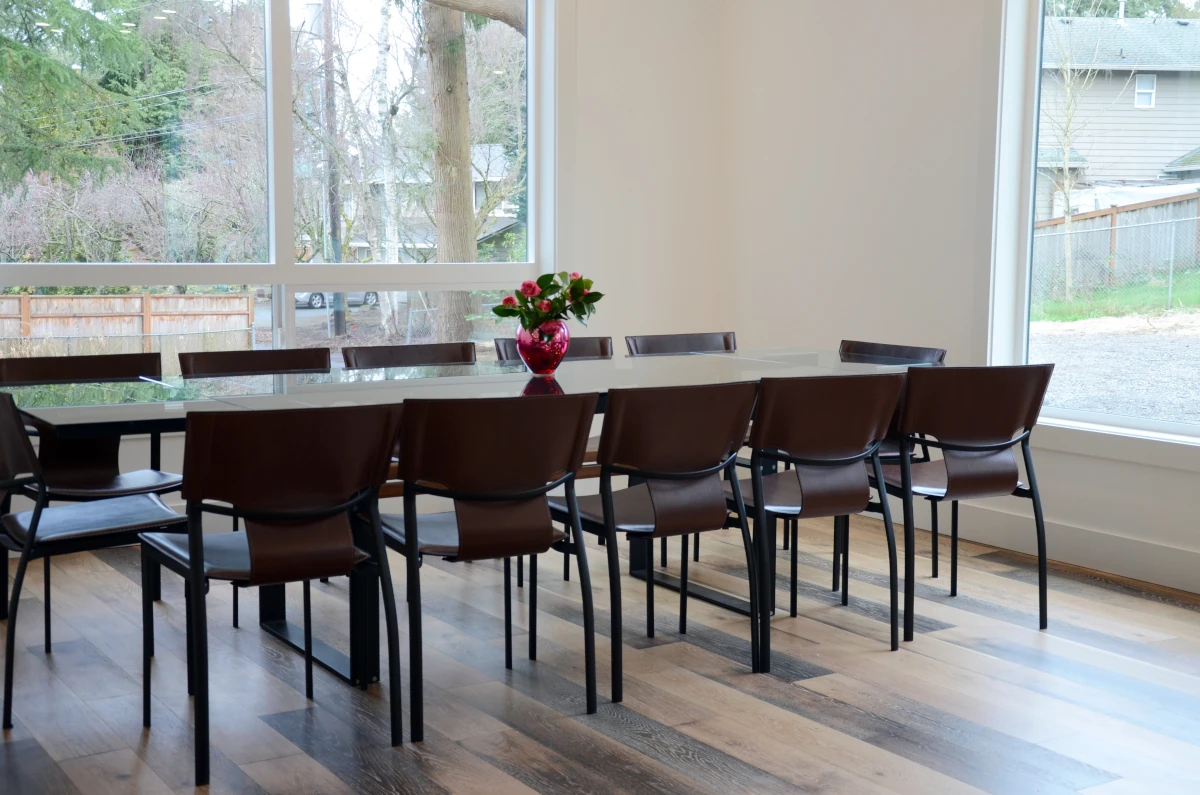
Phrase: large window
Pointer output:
(1115, 275)
(371, 161)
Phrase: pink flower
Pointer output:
(544, 306)
(509, 300)
(530, 289)
(585, 292)
(575, 276)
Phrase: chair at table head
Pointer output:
(432, 355)
(660, 344)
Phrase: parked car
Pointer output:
(321, 300)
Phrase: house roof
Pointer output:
(1188, 162)
(1107, 43)
(1051, 157)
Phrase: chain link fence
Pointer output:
(1101, 268)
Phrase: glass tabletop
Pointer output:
(389, 385)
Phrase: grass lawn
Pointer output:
(1134, 299)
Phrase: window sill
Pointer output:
(1151, 447)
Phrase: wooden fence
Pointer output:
(51, 325)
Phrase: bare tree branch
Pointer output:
(510, 12)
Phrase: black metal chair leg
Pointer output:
(234, 587)
(954, 548)
(795, 534)
(695, 547)
(683, 583)
(933, 526)
(567, 567)
(508, 613)
(617, 644)
(520, 571)
(187, 620)
(910, 551)
(649, 587)
(416, 662)
(1040, 523)
(845, 559)
(773, 522)
(147, 634)
(46, 599)
(533, 607)
(199, 631)
(890, 530)
(662, 547)
(787, 534)
(4, 582)
(308, 658)
(10, 637)
(837, 556)
(589, 622)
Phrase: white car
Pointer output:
(322, 300)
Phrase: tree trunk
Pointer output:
(390, 302)
(333, 184)
(510, 12)
(453, 183)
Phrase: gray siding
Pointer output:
(1119, 141)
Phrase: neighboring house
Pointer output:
(1136, 103)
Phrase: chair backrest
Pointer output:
(826, 419)
(678, 431)
(853, 350)
(578, 348)
(264, 464)
(496, 447)
(80, 369)
(975, 406)
(658, 344)
(17, 458)
(441, 353)
(226, 363)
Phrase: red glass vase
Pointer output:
(544, 348)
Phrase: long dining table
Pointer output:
(158, 407)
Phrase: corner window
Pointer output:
(1144, 90)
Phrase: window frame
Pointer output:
(1012, 228)
(1138, 92)
(281, 270)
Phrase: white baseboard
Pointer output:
(1173, 567)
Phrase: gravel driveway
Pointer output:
(1143, 366)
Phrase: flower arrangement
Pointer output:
(554, 296)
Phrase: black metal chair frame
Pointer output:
(32, 550)
(196, 586)
(905, 492)
(412, 554)
(768, 458)
(608, 535)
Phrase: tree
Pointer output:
(1111, 8)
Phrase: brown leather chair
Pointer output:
(306, 511)
(216, 364)
(441, 353)
(77, 470)
(889, 449)
(670, 344)
(46, 531)
(85, 469)
(975, 416)
(825, 428)
(450, 448)
(677, 441)
(674, 344)
(579, 349)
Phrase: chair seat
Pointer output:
(437, 533)
(226, 555)
(94, 519)
(928, 478)
(143, 481)
(633, 508)
(781, 493)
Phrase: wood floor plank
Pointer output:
(295, 775)
(118, 772)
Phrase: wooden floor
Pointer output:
(1107, 702)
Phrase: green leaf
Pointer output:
(545, 280)
(592, 298)
(506, 311)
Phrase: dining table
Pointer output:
(154, 407)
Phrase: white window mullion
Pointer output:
(280, 169)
